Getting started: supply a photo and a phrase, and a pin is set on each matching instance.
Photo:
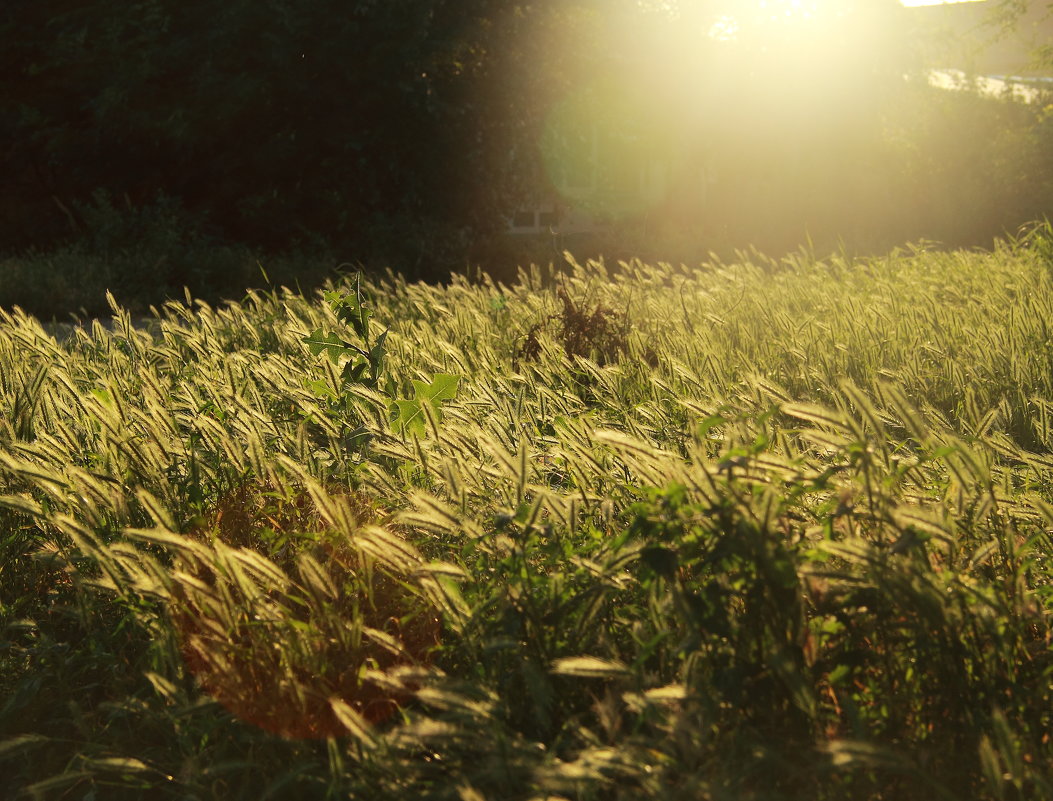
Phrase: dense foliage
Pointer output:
(277, 122)
(769, 529)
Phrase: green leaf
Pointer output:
(103, 396)
(353, 371)
(409, 417)
(320, 341)
(358, 317)
(333, 298)
(708, 424)
(443, 387)
(409, 414)
(357, 439)
(376, 355)
(320, 389)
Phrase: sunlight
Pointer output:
(775, 71)
(916, 3)
(775, 18)
(725, 29)
(786, 10)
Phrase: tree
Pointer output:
(272, 119)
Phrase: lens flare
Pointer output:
(761, 84)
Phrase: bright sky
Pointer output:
(787, 9)
(726, 26)
(912, 3)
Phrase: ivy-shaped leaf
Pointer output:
(332, 344)
(409, 415)
(443, 387)
(320, 389)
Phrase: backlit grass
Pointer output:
(753, 530)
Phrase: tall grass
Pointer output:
(754, 530)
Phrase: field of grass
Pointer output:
(755, 530)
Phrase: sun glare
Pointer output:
(781, 10)
(761, 80)
(915, 3)
(765, 18)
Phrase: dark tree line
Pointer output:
(406, 127)
(273, 120)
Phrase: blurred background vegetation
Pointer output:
(148, 146)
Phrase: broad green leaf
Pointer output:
(333, 297)
(409, 414)
(103, 396)
(376, 353)
(443, 387)
(356, 316)
(333, 345)
(321, 389)
(409, 417)
(376, 358)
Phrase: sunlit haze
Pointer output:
(914, 3)
(774, 75)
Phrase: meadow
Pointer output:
(758, 529)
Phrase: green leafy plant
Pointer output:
(367, 363)
(367, 360)
(411, 416)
